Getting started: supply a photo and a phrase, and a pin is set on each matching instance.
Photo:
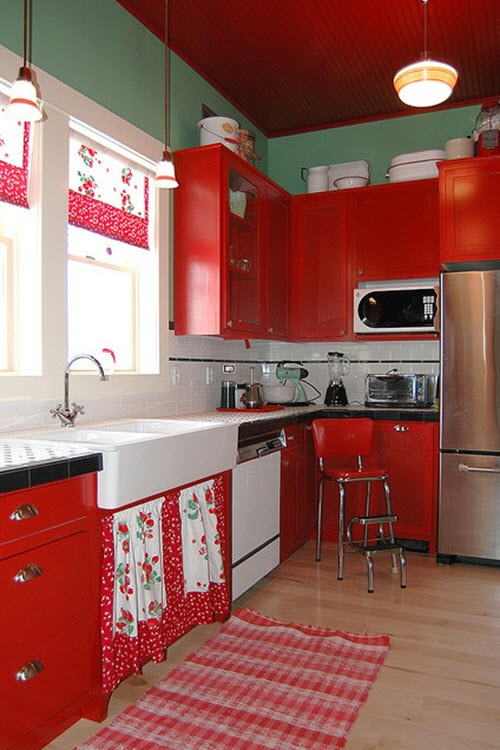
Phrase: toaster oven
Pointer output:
(401, 390)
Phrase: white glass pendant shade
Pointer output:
(23, 104)
(165, 173)
(425, 83)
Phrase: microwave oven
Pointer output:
(401, 390)
(397, 309)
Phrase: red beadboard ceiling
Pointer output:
(307, 64)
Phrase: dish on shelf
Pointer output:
(341, 183)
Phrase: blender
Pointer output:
(338, 367)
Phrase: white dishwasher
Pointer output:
(255, 548)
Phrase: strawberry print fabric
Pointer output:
(14, 158)
(146, 600)
(107, 194)
(202, 558)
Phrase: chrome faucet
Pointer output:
(66, 414)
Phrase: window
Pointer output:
(114, 289)
(20, 342)
(6, 327)
(112, 256)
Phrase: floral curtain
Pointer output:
(108, 194)
(14, 158)
(163, 573)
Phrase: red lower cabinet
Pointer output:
(409, 451)
(49, 579)
(297, 510)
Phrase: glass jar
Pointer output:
(487, 129)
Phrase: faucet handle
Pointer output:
(77, 409)
(56, 411)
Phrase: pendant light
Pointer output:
(23, 103)
(165, 172)
(426, 82)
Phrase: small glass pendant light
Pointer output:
(165, 171)
(23, 104)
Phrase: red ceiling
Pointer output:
(305, 64)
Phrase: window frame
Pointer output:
(50, 192)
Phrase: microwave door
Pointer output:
(385, 311)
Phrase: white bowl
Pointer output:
(416, 156)
(350, 182)
(279, 394)
(422, 170)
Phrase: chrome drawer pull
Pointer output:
(401, 428)
(27, 510)
(30, 571)
(479, 469)
(30, 670)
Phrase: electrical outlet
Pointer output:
(228, 369)
(175, 375)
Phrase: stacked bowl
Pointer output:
(418, 165)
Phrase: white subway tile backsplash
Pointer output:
(191, 355)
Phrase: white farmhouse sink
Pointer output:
(138, 464)
(163, 426)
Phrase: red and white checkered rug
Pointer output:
(259, 684)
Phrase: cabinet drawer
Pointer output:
(33, 510)
(64, 678)
(45, 589)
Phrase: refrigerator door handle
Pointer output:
(483, 470)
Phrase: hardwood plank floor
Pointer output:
(439, 688)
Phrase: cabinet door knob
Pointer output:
(360, 272)
(30, 571)
(229, 323)
(285, 462)
(24, 511)
(341, 332)
(401, 428)
(30, 670)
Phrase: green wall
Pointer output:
(99, 49)
(376, 142)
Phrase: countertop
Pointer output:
(25, 463)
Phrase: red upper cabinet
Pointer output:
(469, 210)
(320, 305)
(230, 243)
(277, 240)
(396, 231)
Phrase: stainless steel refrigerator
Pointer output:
(469, 493)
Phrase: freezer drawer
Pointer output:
(469, 506)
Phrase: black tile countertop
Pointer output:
(24, 465)
(256, 422)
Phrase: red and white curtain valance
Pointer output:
(162, 574)
(108, 194)
(14, 157)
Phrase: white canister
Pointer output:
(219, 130)
(317, 179)
(459, 148)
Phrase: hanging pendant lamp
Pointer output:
(23, 103)
(426, 82)
(165, 171)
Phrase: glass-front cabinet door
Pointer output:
(244, 308)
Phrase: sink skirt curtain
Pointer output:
(162, 574)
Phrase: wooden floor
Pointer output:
(439, 688)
